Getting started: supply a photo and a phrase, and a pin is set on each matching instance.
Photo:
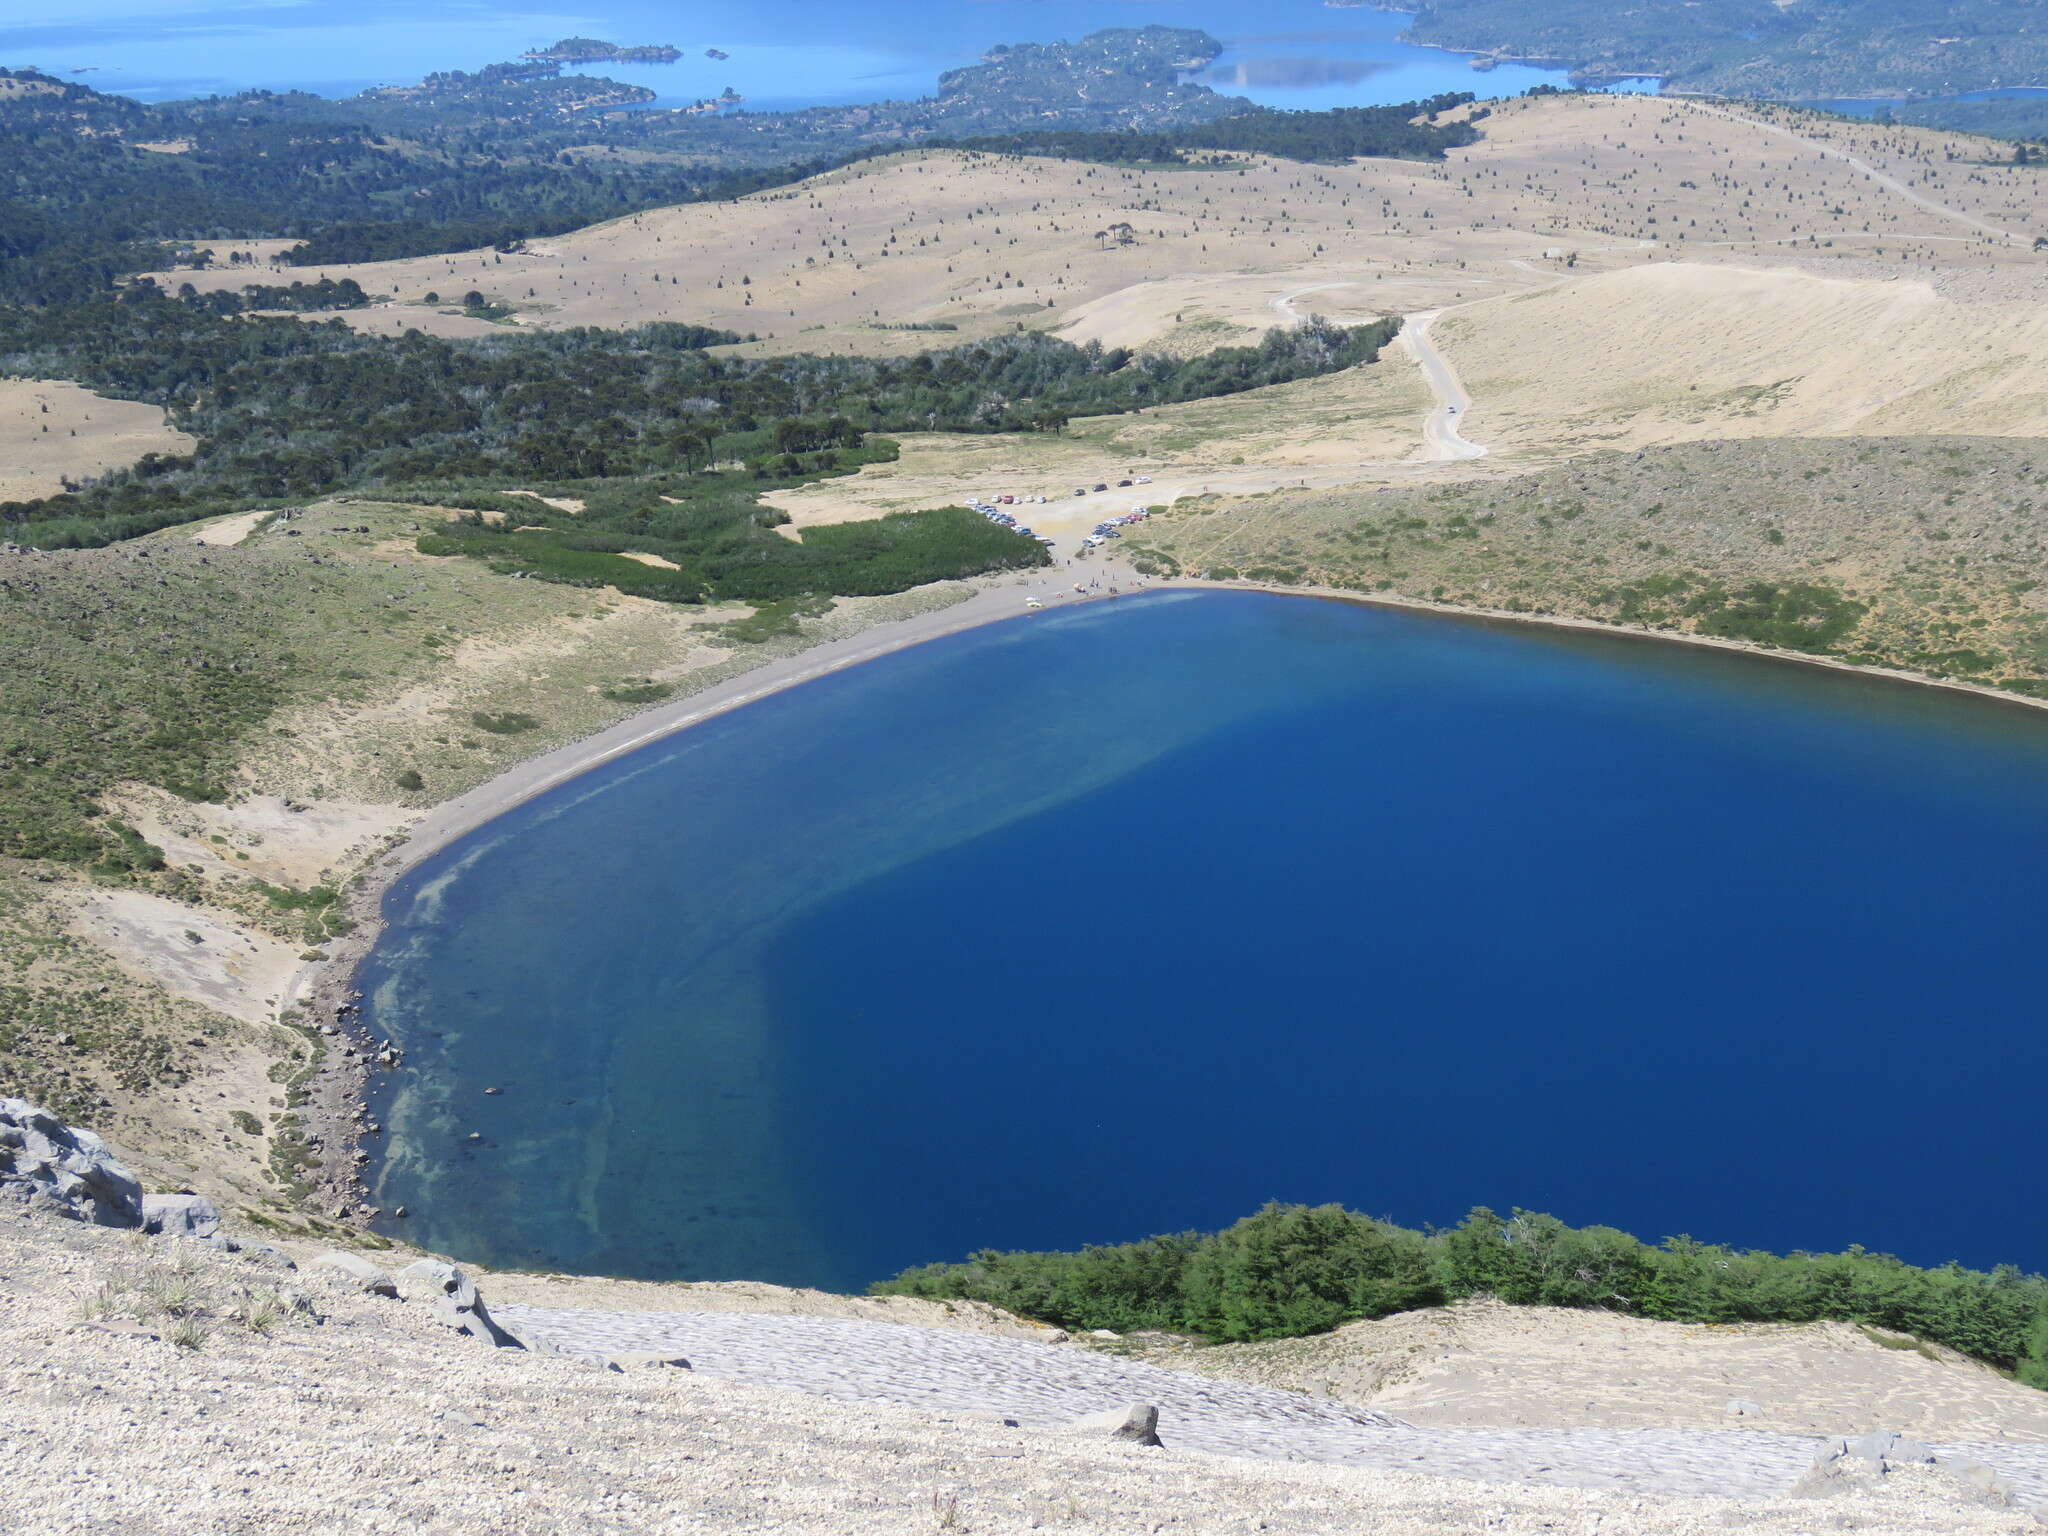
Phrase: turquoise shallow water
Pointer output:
(1128, 918)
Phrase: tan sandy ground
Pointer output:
(192, 952)
(227, 532)
(50, 431)
(1485, 1365)
(1360, 425)
(1565, 185)
(285, 842)
(373, 1421)
(1683, 352)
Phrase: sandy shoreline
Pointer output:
(327, 989)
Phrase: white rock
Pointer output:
(367, 1276)
(431, 1280)
(180, 1215)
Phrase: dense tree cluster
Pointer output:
(284, 409)
(1404, 131)
(1292, 1270)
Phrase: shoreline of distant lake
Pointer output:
(887, 52)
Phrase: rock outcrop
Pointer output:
(180, 1216)
(452, 1296)
(47, 1165)
(1863, 1465)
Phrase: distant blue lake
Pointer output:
(1125, 919)
(1871, 106)
(783, 53)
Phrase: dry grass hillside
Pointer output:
(1556, 185)
(1927, 554)
(148, 1001)
(52, 431)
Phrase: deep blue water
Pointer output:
(784, 53)
(1126, 919)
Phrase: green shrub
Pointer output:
(1798, 615)
(1293, 1270)
(639, 693)
(409, 779)
(507, 724)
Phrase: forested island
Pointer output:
(591, 50)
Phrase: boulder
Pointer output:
(367, 1276)
(473, 1319)
(48, 1166)
(180, 1215)
(1882, 1445)
(1742, 1408)
(1135, 1422)
(431, 1280)
(626, 1362)
(452, 1297)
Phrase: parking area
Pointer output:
(1078, 524)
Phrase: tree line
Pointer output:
(1292, 1270)
(287, 410)
(1403, 131)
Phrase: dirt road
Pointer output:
(1888, 182)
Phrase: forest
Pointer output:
(1755, 48)
(670, 442)
(285, 410)
(1294, 1270)
(1325, 138)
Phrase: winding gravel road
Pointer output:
(1440, 426)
